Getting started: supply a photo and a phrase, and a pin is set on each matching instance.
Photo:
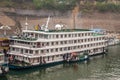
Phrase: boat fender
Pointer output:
(6, 69)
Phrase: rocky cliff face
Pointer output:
(108, 21)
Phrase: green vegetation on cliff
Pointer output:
(61, 5)
(108, 7)
(64, 5)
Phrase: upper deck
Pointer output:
(41, 35)
(63, 31)
(40, 42)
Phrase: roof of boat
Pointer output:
(69, 30)
(59, 31)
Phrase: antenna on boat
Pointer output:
(26, 23)
(46, 26)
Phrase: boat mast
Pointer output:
(46, 26)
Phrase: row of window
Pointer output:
(52, 36)
(69, 35)
(71, 48)
(72, 41)
(42, 44)
(57, 49)
(40, 59)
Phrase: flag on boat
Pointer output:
(37, 27)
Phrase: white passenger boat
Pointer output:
(44, 47)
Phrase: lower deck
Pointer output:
(21, 60)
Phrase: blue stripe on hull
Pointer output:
(13, 67)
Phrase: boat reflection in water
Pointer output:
(3, 77)
(47, 73)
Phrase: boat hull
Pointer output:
(14, 67)
(46, 65)
(98, 54)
